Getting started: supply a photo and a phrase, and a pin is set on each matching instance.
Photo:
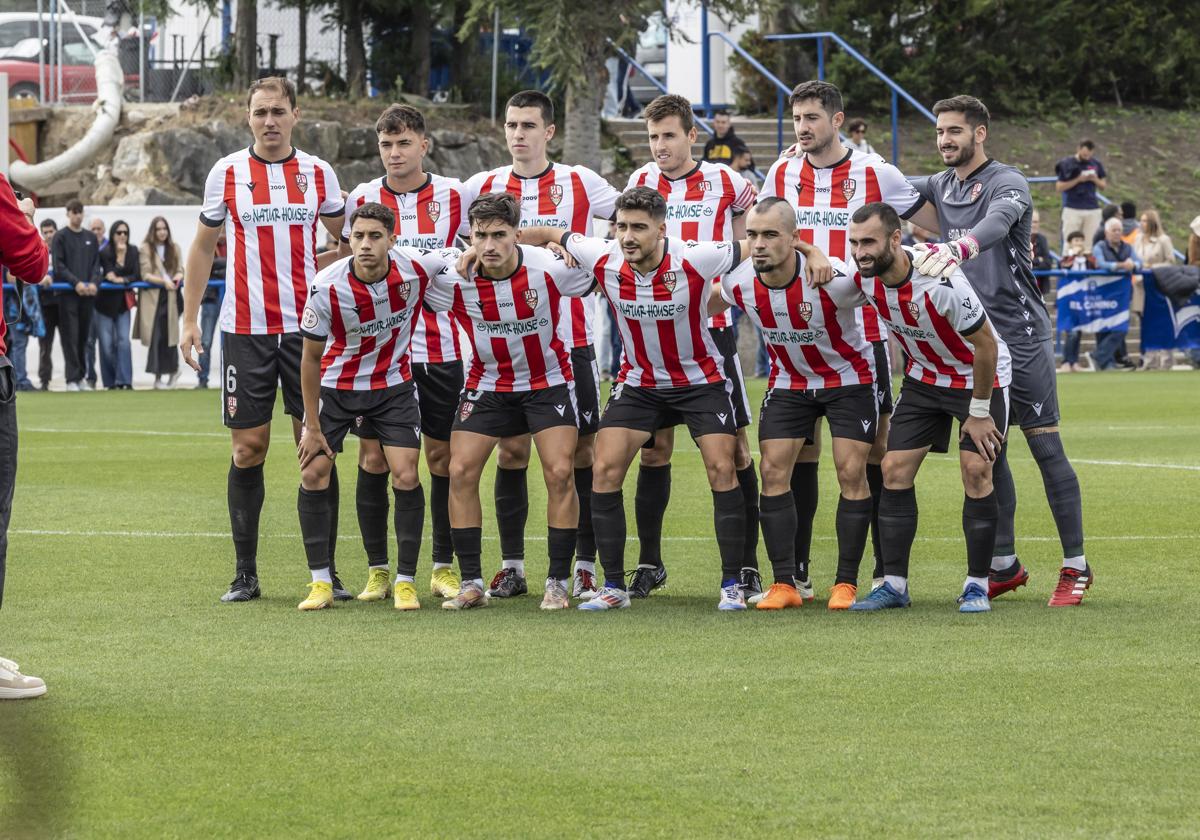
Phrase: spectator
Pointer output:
(1193, 251)
(76, 255)
(23, 314)
(1076, 257)
(1042, 261)
(856, 132)
(120, 262)
(1154, 248)
(724, 145)
(210, 311)
(49, 301)
(157, 324)
(1113, 254)
(1079, 176)
(96, 226)
(331, 244)
(1110, 211)
(1129, 221)
(743, 164)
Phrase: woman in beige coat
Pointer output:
(157, 324)
(1154, 248)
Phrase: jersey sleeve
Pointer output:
(333, 204)
(601, 195)
(744, 193)
(588, 250)
(353, 202)
(711, 259)
(896, 190)
(439, 296)
(572, 282)
(924, 186)
(314, 324)
(727, 286)
(959, 304)
(768, 187)
(214, 210)
(844, 291)
(1008, 201)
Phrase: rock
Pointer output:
(451, 139)
(131, 195)
(355, 172)
(134, 118)
(188, 156)
(227, 138)
(359, 143)
(323, 139)
(136, 156)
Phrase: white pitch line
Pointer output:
(1139, 464)
(50, 532)
(119, 432)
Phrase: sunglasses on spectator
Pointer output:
(120, 233)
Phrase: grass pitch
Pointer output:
(170, 714)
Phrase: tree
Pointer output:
(245, 45)
(356, 51)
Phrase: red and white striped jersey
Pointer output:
(701, 205)
(929, 317)
(429, 217)
(812, 335)
(271, 213)
(565, 197)
(367, 327)
(661, 315)
(826, 197)
(512, 323)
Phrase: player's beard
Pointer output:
(819, 150)
(966, 151)
(880, 264)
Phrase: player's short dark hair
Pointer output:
(970, 107)
(74, 206)
(644, 199)
(48, 223)
(375, 212)
(275, 83)
(827, 94)
(396, 118)
(670, 105)
(495, 207)
(1085, 143)
(1075, 234)
(764, 205)
(856, 124)
(533, 99)
(878, 210)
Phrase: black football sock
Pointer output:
(853, 520)
(1006, 502)
(560, 544)
(748, 482)
(777, 515)
(245, 492)
(334, 505)
(439, 513)
(608, 520)
(897, 528)
(585, 539)
(408, 520)
(313, 507)
(512, 511)
(804, 490)
(371, 502)
(729, 521)
(649, 508)
(467, 545)
(1062, 490)
(979, 527)
(875, 482)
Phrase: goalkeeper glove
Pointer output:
(942, 259)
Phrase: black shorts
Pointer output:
(925, 414)
(1034, 389)
(509, 413)
(883, 376)
(255, 366)
(438, 389)
(726, 342)
(587, 388)
(706, 409)
(392, 412)
(792, 414)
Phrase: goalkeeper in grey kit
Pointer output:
(984, 212)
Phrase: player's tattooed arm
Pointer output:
(979, 425)
(312, 441)
(818, 270)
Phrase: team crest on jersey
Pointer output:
(848, 187)
(464, 410)
(301, 182)
(555, 192)
(531, 298)
(669, 280)
(705, 186)
(403, 289)
(976, 189)
(433, 209)
(309, 320)
(913, 309)
(805, 309)
(231, 406)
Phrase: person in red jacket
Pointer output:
(23, 255)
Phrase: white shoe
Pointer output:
(805, 588)
(73, 387)
(608, 598)
(732, 598)
(556, 595)
(584, 585)
(17, 686)
(86, 386)
(172, 379)
(158, 383)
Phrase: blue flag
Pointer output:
(1167, 325)
(1094, 303)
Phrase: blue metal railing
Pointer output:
(782, 91)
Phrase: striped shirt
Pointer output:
(271, 214)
